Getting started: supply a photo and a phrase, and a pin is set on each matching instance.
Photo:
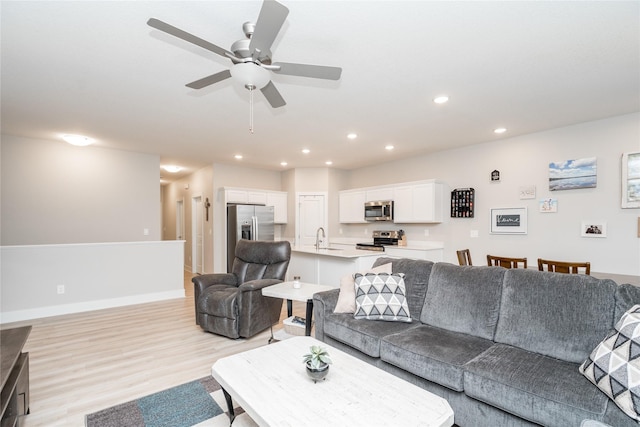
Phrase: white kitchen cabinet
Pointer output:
(236, 196)
(257, 197)
(420, 202)
(376, 194)
(435, 255)
(278, 199)
(352, 207)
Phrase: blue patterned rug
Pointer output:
(197, 403)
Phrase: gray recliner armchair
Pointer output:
(232, 304)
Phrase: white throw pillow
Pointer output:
(347, 297)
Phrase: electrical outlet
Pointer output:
(366, 231)
(426, 232)
(145, 231)
(60, 289)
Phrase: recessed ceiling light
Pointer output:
(441, 99)
(172, 168)
(283, 163)
(352, 135)
(306, 150)
(238, 156)
(79, 140)
(328, 163)
(389, 147)
(500, 130)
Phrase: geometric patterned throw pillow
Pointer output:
(614, 365)
(381, 297)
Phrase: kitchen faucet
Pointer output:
(318, 237)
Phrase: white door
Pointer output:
(198, 238)
(180, 220)
(312, 214)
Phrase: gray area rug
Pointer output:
(182, 406)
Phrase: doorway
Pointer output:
(311, 213)
(197, 235)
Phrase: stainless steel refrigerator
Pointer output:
(248, 222)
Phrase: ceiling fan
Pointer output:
(251, 56)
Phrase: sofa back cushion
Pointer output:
(626, 297)
(464, 299)
(558, 315)
(416, 280)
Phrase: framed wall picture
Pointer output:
(572, 174)
(631, 180)
(508, 221)
(593, 228)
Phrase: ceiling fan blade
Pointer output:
(209, 80)
(270, 20)
(305, 70)
(273, 96)
(177, 32)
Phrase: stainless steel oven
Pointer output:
(379, 210)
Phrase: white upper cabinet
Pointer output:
(352, 206)
(376, 194)
(420, 202)
(257, 198)
(279, 202)
(236, 196)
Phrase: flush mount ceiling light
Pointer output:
(238, 156)
(499, 130)
(389, 147)
(172, 168)
(283, 163)
(352, 135)
(306, 151)
(78, 140)
(441, 99)
(328, 163)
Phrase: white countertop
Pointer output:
(337, 252)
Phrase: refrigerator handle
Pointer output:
(254, 219)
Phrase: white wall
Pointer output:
(95, 276)
(524, 161)
(54, 193)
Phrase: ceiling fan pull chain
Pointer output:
(251, 109)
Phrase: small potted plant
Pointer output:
(317, 362)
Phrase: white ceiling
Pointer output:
(97, 69)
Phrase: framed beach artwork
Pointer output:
(572, 174)
(508, 221)
(593, 228)
(631, 180)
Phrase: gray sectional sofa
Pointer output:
(502, 346)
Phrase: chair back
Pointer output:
(506, 262)
(564, 267)
(256, 259)
(464, 257)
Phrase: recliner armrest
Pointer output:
(254, 285)
(205, 280)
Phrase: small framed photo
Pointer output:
(527, 192)
(631, 180)
(593, 228)
(508, 221)
(548, 205)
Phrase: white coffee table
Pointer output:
(270, 383)
(304, 293)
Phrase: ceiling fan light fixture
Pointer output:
(250, 75)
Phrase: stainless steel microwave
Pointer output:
(378, 210)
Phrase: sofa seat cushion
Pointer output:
(219, 301)
(463, 299)
(532, 386)
(364, 335)
(432, 353)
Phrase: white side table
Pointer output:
(304, 293)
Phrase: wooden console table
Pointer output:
(14, 373)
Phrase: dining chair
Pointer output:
(464, 257)
(506, 262)
(564, 267)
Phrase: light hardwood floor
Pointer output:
(85, 362)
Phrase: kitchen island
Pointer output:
(327, 266)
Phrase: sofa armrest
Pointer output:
(323, 304)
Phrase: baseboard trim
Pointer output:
(57, 310)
